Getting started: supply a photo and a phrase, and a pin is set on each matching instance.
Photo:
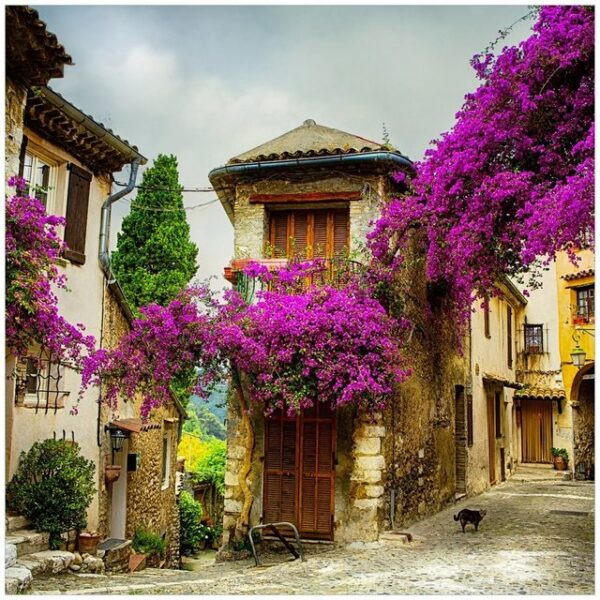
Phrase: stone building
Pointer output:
(338, 475)
(71, 158)
(576, 319)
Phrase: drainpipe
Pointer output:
(103, 254)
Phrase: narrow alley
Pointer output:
(536, 538)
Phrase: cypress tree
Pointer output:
(155, 257)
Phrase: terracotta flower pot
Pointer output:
(88, 542)
(560, 464)
(111, 473)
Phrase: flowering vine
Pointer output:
(32, 249)
(512, 183)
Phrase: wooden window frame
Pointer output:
(585, 295)
(470, 428)
(38, 155)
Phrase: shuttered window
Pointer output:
(309, 234)
(300, 471)
(509, 337)
(77, 211)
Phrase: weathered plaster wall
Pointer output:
(584, 454)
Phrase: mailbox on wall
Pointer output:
(133, 462)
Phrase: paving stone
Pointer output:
(521, 548)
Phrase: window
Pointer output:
(33, 375)
(166, 454)
(509, 337)
(585, 303)
(40, 384)
(486, 317)
(534, 338)
(498, 414)
(40, 174)
(309, 233)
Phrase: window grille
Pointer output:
(534, 338)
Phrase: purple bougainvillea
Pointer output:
(32, 316)
(513, 182)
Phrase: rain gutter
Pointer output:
(103, 253)
(381, 156)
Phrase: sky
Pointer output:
(209, 82)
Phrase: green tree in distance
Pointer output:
(155, 257)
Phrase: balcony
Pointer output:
(330, 271)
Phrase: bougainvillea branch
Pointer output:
(336, 345)
(32, 249)
(512, 183)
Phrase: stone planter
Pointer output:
(111, 473)
(88, 543)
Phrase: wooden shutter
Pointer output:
(498, 416)
(279, 234)
(341, 232)
(317, 472)
(299, 235)
(320, 230)
(279, 501)
(77, 211)
(22, 153)
(486, 318)
(509, 336)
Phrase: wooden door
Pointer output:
(536, 431)
(491, 427)
(299, 471)
(460, 439)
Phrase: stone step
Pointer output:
(10, 555)
(17, 580)
(14, 522)
(47, 562)
(28, 541)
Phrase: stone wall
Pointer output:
(150, 504)
(583, 427)
(15, 98)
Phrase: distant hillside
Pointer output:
(216, 402)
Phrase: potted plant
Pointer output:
(87, 542)
(560, 458)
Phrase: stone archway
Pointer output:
(582, 399)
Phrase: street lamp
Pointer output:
(578, 353)
(117, 438)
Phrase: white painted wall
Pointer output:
(82, 304)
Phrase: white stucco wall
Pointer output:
(82, 304)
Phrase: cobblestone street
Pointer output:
(537, 538)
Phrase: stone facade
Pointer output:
(151, 499)
(409, 447)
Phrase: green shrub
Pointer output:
(210, 467)
(53, 487)
(192, 534)
(562, 452)
(148, 542)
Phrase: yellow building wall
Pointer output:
(567, 310)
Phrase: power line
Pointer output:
(166, 188)
(154, 209)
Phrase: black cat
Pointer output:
(469, 516)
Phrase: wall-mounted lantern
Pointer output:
(578, 353)
(117, 437)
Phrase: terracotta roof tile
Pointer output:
(578, 275)
(541, 393)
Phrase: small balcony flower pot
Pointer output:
(111, 473)
(88, 542)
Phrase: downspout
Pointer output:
(103, 253)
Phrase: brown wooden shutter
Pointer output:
(300, 234)
(77, 212)
(22, 153)
(279, 234)
(509, 336)
(486, 318)
(340, 232)
(319, 242)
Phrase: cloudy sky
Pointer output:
(209, 82)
